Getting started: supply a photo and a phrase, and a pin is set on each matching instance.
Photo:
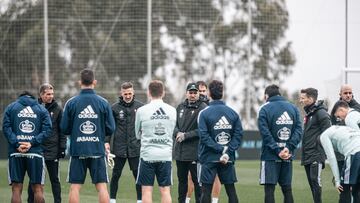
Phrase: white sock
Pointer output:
(112, 200)
(215, 200)
(139, 201)
(187, 200)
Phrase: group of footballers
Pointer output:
(201, 136)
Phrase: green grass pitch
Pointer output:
(248, 189)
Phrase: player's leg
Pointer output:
(76, 177)
(190, 188)
(269, 190)
(36, 172)
(53, 171)
(116, 173)
(227, 176)
(231, 193)
(38, 190)
(165, 194)
(103, 194)
(269, 175)
(207, 173)
(163, 173)
(74, 193)
(285, 179)
(314, 178)
(182, 175)
(134, 164)
(99, 176)
(145, 178)
(146, 193)
(16, 192)
(30, 194)
(216, 190)
(16, 173)
(195, 180)
(206, 193)
(345, 195)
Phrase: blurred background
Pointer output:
(248, 44)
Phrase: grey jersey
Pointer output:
(154, 126)
(342, 139)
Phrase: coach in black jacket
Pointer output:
(124, 144)
(187, 140)
(316, 121)
(53, 146)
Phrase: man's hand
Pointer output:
(224, 158)
(107, 148)
(180, 136)
(24, 147)
(285, 154)
(339, 188)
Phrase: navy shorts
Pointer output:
(148, 170)
(79, 165)
(351, 171)
(208, 171)
(273, 172)
(33, 164)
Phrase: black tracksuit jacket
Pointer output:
(316, 121)
(186, 122)
(124, 143)
(56, 143)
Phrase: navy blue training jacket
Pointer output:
(87, 118)
(280, 126)
(219, 126)
(25, 120)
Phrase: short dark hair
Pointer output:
(26, 93)
(202, 83)
(87, 77)
(310, 92)
(156, 88)
(272, 90)
(44, 87)
(126, 85)
(216, 88)
(339, 104)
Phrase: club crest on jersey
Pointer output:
(223, 138)
(27, 112)
(88, 127)
(159, 114)
(284, 133)
(88, 112)
(159, 129)
(181, 113)
(27, 126)
(284, 119)
(121, 114)
(223, 123)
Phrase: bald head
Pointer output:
(346, 93)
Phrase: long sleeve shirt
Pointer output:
(154, 126)
(342, 139)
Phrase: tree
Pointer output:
(191, 40)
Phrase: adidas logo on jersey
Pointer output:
(284, 119)
(223, 123)
(27, 112)
(88, 112)
(159, 114)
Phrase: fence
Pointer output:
(239, 42)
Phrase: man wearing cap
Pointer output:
(187, 140)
